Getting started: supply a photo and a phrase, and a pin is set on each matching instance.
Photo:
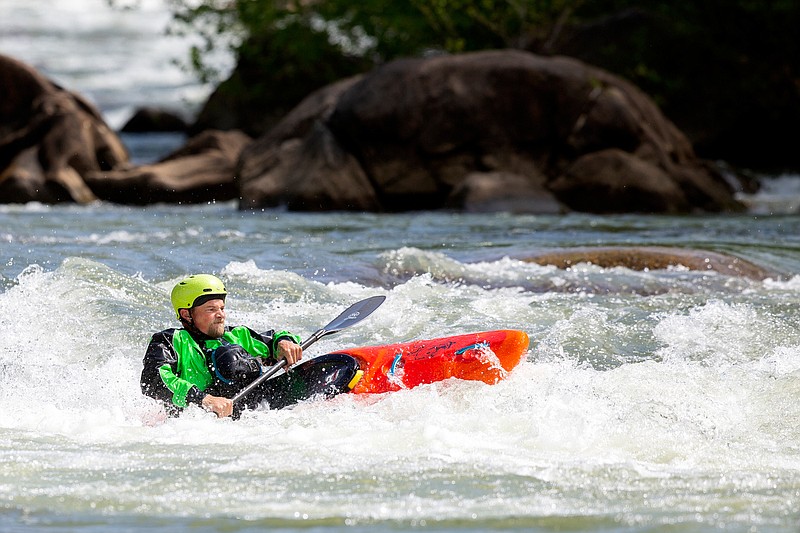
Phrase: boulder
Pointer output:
(50, 139)
(451, 131)
(300, 164)
(200, 171)
(622, 181)
(314, 174)
(151, 119)
(487, 192)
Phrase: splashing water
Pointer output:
(648, 400)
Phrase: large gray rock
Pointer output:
(486, 192)
(50, 139)
(416, 133)
(300, 164)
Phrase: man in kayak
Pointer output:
(206, 362)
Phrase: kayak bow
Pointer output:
(486, 356)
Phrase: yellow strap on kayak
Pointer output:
(355, 380)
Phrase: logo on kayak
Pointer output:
(395, 361)
(477, 346)
(397, 372)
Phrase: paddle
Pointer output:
(350, 316)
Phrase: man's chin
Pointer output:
(216, 330)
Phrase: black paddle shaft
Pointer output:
(350, 316)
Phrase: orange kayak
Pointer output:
(486, 356)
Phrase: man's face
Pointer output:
(209, 317)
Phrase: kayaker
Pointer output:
(206, 362)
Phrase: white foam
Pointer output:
(777, 195)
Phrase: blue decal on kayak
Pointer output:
(394, 363)
(471, 346)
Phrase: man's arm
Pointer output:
(159, 379)
(274, 343)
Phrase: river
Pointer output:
(662, 400)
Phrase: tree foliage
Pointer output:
(385, 29)
(377, 30)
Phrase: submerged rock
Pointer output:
(654, 258)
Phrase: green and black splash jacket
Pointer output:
(176, 370)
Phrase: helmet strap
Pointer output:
(188, 323)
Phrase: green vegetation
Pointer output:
(381, 30)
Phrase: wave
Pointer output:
(84, 318)
(655, 401)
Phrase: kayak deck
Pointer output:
(485, 356)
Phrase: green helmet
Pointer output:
(186, 293)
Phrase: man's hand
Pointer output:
(290, 351)
(220, 406)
